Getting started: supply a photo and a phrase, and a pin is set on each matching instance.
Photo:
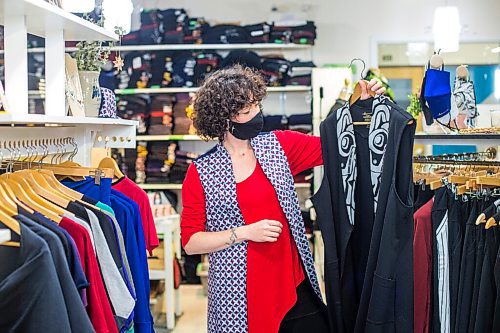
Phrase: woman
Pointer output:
(240, 206)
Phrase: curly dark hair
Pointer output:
(222, 95)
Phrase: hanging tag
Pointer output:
(97, 180)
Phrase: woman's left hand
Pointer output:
(373, 85)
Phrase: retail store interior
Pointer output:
(97, 134)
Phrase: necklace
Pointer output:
(232, 153)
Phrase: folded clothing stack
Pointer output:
(182, 123)
(275, 122)
(161, 158)
(275, 70)
(151, 27)
(244, 58)
(194, 30)
(188, 69)
(298, 32)
(174, 26)
(297, 122)
(226, 34)
(206, 62)
(140, 162)
(183, 160)
(137, 71)
(300, 73)
(258, 33)
(161, 115)
(135, 107)
(174, 23)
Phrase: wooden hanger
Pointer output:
(491, 222)
(110, 163)
(8, 205)
(13, 225)
(12, 196)
(488, 181)
(42, 187)
(356, 94)
(25, 193)
(52, 180)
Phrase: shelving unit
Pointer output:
(173, 137)
(169, 228)
(40, 18)
(188, 90)
(194, 47)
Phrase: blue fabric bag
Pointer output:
(437, 92)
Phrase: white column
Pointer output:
(16, 57)
(54, 72)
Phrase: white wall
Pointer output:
(346, 28)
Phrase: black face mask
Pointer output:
(248, 130)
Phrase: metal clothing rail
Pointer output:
(424, 160)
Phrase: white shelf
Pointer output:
(175, 47)
(40, 16)
(37, 119)
(179, 186)
(173, 137)
(133, 91)
(160, 186)
(4, 235)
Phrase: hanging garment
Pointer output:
(31, 299)
(227, 304)
(441, 269)
(487, 289)
(455, 242)
(467, 265)
(134, 192)
(480, 240)
(422, 267)
(78, 318)
(465, 97)
(386, 294)
(129, 219)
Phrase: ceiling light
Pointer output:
(117, 13)
(495, 50)
(446, 29)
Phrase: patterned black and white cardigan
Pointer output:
(227, 297)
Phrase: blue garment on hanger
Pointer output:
(129, 219)
(88, 187)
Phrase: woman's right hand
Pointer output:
(263, 231)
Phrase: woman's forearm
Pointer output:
(207, 242)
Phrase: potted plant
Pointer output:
(90, 57)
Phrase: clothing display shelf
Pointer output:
(174, 137)
(38, 17)
(136, 91)
(179, 186)
(196, 47)
(169, 228)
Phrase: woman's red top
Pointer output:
(274, 270)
